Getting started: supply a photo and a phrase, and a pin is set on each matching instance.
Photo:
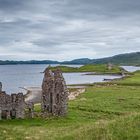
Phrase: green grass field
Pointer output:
(98, 68)
(103, 112)
(131, 80)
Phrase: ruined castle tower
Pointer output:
(54, 93)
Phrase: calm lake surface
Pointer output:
(131, 68)
(15, 76)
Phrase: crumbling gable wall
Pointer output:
(47, 91)
(60, 93)
(54, 93)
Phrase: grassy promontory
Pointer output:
(97, 68)
(103, 112)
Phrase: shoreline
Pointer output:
(33, 94)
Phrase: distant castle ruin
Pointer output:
(53, 102)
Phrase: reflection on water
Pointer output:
(15, 76)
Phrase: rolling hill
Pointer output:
(121, 59)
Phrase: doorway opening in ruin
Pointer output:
(4, 114)
(29, 112)
(13, 114)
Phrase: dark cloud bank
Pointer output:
(68, 29)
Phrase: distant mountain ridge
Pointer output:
(8, 62)
(78, 61)
(121, 59)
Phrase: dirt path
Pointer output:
(74, 94)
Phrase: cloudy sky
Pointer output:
(68, 29)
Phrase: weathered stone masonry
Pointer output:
(54, 93)
(14, 106)
(54, 99)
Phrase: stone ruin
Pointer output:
(109, 66)
(53, 102)
(54, 93)
(13, 106)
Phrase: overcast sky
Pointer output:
(68, 29)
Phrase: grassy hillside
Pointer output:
(98, 68)
(109, 112)
(122, 59)
(8, 62)
(132, 80)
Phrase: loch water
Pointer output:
(15, 76)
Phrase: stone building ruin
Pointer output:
(53, 102)
(54, 93)
(110, 66)
(14, 106)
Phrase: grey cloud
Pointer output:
(68, 29)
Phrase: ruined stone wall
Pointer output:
(20, 106)
(5, 105)
(12, 106)
(60, 94)
(54, 98)
(47, 91)
(54, 93)
(30, 107)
